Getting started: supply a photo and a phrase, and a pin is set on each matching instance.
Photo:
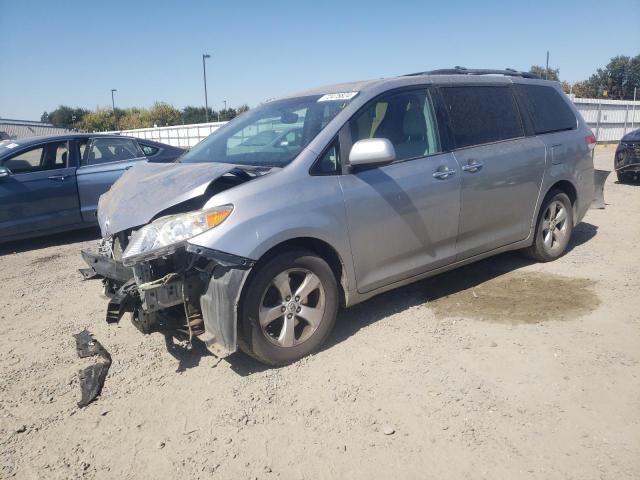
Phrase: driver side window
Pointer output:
(406, 119)
(36, 159)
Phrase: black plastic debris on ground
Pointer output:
(91, 378)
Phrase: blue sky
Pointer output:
(74, 52)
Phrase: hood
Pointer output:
(148, 189)
(632, 136)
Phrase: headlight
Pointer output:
(166, 233)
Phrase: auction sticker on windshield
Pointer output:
(330, 97)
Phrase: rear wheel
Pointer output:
(289, 308)
(553, 228)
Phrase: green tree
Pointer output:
(581, 89)
(618, 79)
(196, 115)
(550, 74)
(162, 114)
(44, 118)
(67, 117)
(101, 120)
(134, 118)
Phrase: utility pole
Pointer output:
(546, 70)
(113, 105)
(633, 115)
(206, 101)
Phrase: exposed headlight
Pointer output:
(165, 234)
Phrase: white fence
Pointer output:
(178, 135)
(609, 120)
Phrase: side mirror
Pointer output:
(4, 172)
(372, 151)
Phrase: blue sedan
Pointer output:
(52, 184)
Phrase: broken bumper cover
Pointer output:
(599, 179)
(195, 290)
(103, 266)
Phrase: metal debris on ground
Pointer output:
(92, 377)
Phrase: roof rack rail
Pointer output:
(510, 72)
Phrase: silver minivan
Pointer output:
(323, 199)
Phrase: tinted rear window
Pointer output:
(548, 110)
(482, 114)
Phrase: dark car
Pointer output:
(627, 159)
(51, 184)
(159, 152)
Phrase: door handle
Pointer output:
(60, 178)
(442, 174)
(472, 167)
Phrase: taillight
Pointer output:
(591, 141)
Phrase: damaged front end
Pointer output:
(147, 264)
(192, 290)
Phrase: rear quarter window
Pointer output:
(482, 114)
(148, 150)
(549, 112)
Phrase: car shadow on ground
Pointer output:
(53, 240)
(351, 320)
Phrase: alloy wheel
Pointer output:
(554, 225)
(292, 307)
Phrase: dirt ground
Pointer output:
(503, 369)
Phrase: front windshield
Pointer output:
(271, 135)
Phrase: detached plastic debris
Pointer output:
(599, 177)
(91, 378)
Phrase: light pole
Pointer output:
(225, 109)
(113, 105)
(546, 71)
(204, 72)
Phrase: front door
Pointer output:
(501, 169)
(41, 193)
(402, 217)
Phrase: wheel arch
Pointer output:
(570, 190)
(317, 246)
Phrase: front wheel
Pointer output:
(289, 308)
(553, 228)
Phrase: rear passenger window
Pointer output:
(482, 114)
(548, 110)
(112, 150)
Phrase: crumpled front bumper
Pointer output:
(195, 290)
(627, 158)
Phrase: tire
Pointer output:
(551, 238)
(291, 328)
